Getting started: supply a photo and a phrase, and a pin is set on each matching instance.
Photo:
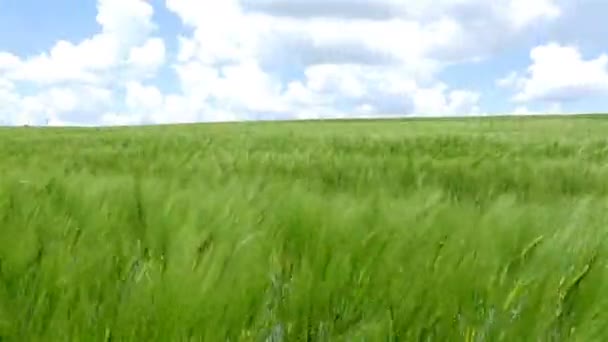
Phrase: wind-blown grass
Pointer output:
(447, 230)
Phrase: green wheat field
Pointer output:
(477, 229)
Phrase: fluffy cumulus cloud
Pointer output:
(289, 59)
(449, 30)
(559, 74)
(123, 42)
(337, 58)
(75, 82)
(553, 108)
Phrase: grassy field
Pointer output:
(421, 230)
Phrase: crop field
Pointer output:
(478, 229)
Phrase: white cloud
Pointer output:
(519, 12)
(8, 61)
(75, 82)
(438, 101)
(339, 90)
(249, 59)
(120, 119)
(559, 73)
(349, 31)
(250, 56)
(57, 104)
(146, 104)
(9, 100)
(65, 62)
(148, 57)
(523, 110)
(129, 20)
(451, 29)
(125, 26)
(141, 97)
(551, 108)
(525, 12)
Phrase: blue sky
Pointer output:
(113, 62)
